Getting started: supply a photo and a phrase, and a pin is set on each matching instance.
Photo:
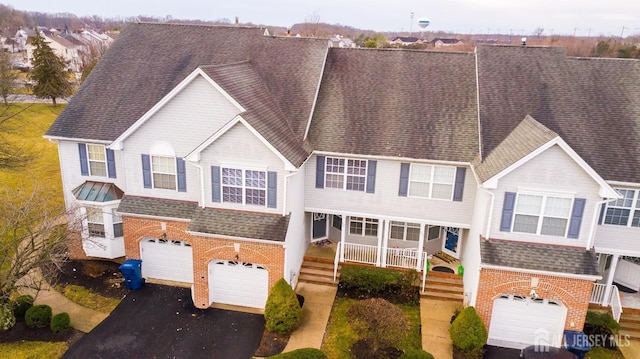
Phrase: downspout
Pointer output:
(284, 196)
(592, 231)
(490, 218)
(201, 170)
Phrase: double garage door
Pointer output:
(238, 283)
(517, 322)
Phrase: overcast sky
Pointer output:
(568, 17)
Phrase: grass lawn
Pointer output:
(33, 350)
(88, 298)
(340, 336)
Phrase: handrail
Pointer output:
(616, 304)
(336, 261)
(597, 294)
(424, 273)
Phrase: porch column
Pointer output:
(381, 226)
(343, 236)
(420, 247)
(385, 244)
(612, 270)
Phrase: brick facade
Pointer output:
(573, 293)
(205, 249)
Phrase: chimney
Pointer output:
(288, 31)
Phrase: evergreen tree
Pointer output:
(49, 72)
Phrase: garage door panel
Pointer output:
(167, 260)
(517, 322)
(236, 283)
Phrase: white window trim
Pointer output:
(175, 174)
(541, 216)
(635, 202)
(431, 182)
(344, 173)
(98, 210)
(243, 185)
(405, 226)
(364, 222)
(89, 160)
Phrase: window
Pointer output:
(434, 232)
(117, 224)
(95, 221)
(97, 160)
(624, 211)
(163, 171)
(244, 186)
(429, 181)
(404, 231)
(541, 214)
(363, 226)
(346, 174)
(336, 221)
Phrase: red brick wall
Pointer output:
(205, 249)
(573, 293)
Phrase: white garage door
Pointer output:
(517, 322)
(237, 283)
(166, 259)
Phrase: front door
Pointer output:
(451, 244)
(319, 226)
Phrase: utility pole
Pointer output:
(411, 25)
(622, 32)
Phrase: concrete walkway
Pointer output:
(82, 318)
(318, 301)
(434, 317)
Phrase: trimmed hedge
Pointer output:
(468, 333)
(416, 354)
(7, 318)
(21, 304)
(371, 279)
(282, 313)
(380, 321)
(60, 323)
(38, 316)
(304, 353)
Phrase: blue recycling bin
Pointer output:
(131, 270)
(577, 343)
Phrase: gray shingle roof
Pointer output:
(592, 103)
(524, 139)
(558, 259)
(397, 103)
(156, 207)
(149, 60)
(265, 226)
(242, 82)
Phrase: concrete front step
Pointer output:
(629, 333)
(453, 282)
(630, 325)
(319, 265)
(308, 278)
(320, 272)
(448, 296)
(318, 260)
(431, 287)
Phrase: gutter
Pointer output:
(201, 171)
(589, 277)
(592, 231)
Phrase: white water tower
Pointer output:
(423, 22)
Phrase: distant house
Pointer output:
(341, 41)
(443, 42)
(406, 40)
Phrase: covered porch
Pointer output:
(619, 288)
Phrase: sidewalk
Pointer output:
(82, 318)
(434, 317)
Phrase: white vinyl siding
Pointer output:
(97, 160)
(428, 181)
(624, 211)
(541, 214)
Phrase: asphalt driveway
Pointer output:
(161, 322)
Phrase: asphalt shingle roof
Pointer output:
(397, 103)
(265, 226)
(592, 103)
(558, 259)
(156, 207)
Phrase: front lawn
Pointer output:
(86, 297)
(33, 350)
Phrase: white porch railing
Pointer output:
(360, 253)
(368, 254)
(597, 297)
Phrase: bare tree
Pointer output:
(13, 155)
(8, 76)
(311, 25)
(33, 235)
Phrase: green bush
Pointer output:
(60, 323)
(7, 318)
(370, 279)
(304, 353)
(21, 304)
(38, 316)
(601, 324)
(416, 354)
(282, 313)
(408, 288)
(468, 333)
(603, 353)
(379, 321)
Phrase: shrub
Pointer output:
(60, 323)
(304, 353)
(603, 326)
(603, 353)
(38, 316)
(408, 288)
(7, 318)
(379, 321)
(21, 304)
(416, 354)
(282, 313)
(370, 279)
(468, 333)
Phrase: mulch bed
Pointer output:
(271, 344)
(102, 277)
(20, 332)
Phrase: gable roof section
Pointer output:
(147, 61)
(262, 113)
(413, 104)
(251, 225)
(538, 258)
(591, 103)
